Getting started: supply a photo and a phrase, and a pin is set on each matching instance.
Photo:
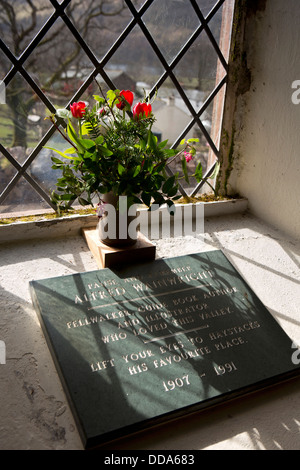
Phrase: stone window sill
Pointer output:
(73, 224)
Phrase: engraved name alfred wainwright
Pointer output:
(138, 345)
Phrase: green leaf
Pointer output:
(62, 154)
(163, 144)
(85, 128)
(146, 198)
(121, 169)
(182, 142)
(173, 191)
(136, 171)
(136, 200)
(70, 150)
(99, 99)
(83, 202)
(152, 141)
(171, 207)
(159, 168)
(105, 151)
(170, 153)
(72, 134)
(99, 140)
(148, 166)
(88, 145)
(111, 96)
(199, 172)
(158, 198)
(216, 171)
(54, 197)
(67, 197)
(185, 170)
(56, 160)
(168, 185)
(142, 144)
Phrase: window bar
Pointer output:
(169, 73)
(21, 172)
(185, 48)
(209, 34)
(203, 181)
(10, 186)
(214, 10)
(18, 62)
(126, 31)
(39, 147)
(188, 128)
(174, 79)
(99, 66)
(116, 44)
(18, 67)
(201, 110)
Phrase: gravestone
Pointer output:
(139, 345)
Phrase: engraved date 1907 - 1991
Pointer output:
(179, 382)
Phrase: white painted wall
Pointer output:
(268, 146)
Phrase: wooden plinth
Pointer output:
(107, 256)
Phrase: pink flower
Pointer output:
(78, 109)
(101, 112)
(188, 156)
(141, 110)
(100, 211)
(126, 95)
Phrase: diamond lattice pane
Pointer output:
(22, 118)
(170, 23)
(5, 65)
(171, 113)
(206, 6)
(59, 65)
(212, 115)
(197, 70)
(7, 172)
(102, 26)
(40, 169)
(23, 198)
(135, 59)
(21, 20)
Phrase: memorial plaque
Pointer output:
(139, 345)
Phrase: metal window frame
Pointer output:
(137, 19)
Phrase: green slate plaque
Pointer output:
(137, 346)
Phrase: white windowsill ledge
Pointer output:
(73, 225)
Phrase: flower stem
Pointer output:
(66, 138)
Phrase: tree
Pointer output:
(56, 53)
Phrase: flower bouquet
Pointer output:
(112, 149)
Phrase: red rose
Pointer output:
(127, 96)
(141, 110)
(78, 109)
